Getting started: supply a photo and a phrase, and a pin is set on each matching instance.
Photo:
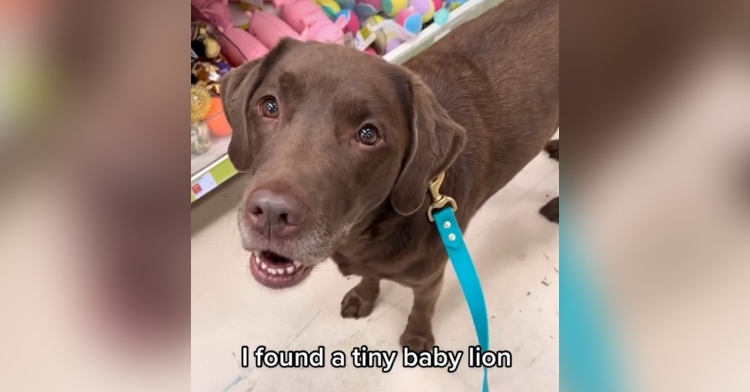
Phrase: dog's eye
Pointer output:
(269, 107)
(368, 135)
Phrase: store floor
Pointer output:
(516, 254)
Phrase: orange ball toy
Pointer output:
(216, 120)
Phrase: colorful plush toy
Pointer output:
(206, 75)
(426, 8)
(207, 64)
(410, 19)
(269, 29)
(203, 42)
(393, 7)
(330, 7)
(441, 16)
(352, 21)
(237, 44)
(365, 10)
(444, 9)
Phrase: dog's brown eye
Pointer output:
(269, 108)
(368, 135)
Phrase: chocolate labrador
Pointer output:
(341, 147)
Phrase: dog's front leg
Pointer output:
(418, 333)
(360, 300)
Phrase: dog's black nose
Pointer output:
(273, 213)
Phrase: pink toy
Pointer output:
(302, 14)
(312, 23)
(237, 45)
(327, 32)
(216, 12)
(269, 29)
(279, 4)
(200, 4)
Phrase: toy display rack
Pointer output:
(213, 168)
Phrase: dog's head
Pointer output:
(328, 134)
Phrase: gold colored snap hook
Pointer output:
(438, 201)
(435, 185)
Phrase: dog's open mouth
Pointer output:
(276, 271)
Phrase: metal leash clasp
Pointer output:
(439, 201)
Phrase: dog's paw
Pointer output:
(354, 306)
(417, 342)
(551, 210)
(553, 149)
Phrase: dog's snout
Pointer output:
(275, 213)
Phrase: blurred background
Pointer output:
(94, 222)
(656, 99)
(94, 272)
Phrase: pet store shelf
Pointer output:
(211, 169)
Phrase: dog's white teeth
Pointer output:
(272, 271)
(297, 264)
(289, 270)
(263, 265)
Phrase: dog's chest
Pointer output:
(405, 270)
(383, 269)
(403, 253)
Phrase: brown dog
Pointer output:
(341, 147)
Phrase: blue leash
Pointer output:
(453, 241)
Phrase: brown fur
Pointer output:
(479, 105)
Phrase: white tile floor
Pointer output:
(515, 250)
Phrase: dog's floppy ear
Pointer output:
(237, 87)
(435, 142)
